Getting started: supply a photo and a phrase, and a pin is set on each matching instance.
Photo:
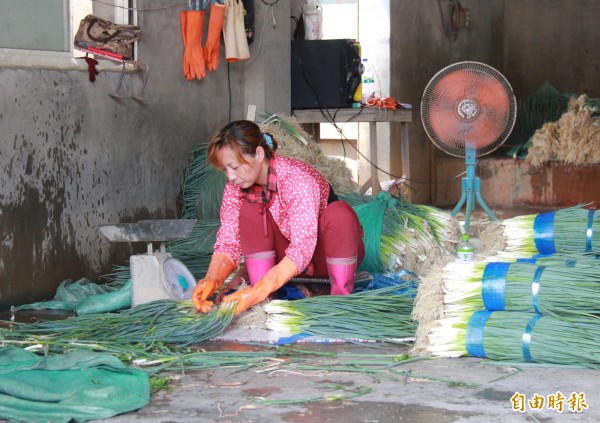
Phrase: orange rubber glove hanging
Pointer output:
(220, 267)
(193, 55)
(275, 278)
(213, 38)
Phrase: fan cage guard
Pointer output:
(468, 107)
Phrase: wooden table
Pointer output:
(371, 115)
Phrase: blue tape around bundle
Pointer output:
(475, 332)
(493, 285)
(526, 348)
(543, 233)
(590, 231)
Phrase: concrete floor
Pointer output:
(436, 390)
(433, 391)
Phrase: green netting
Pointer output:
(546, 105)
(109, 301)
(80, 386)
(85, 297)
(371, 217)
(68, 295)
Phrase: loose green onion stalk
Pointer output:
(520, 337)
(376, 315)
(553, 290)
(162, 321)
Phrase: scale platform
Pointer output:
(155, 275)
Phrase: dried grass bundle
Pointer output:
(573, 139)
(334, 170)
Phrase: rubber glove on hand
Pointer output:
(275, 278)
(220, 267)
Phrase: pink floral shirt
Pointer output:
(296, 207)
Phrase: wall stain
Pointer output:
(41, 256)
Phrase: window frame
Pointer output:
(63, 60)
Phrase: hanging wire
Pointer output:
(148, 9)
(262, 31)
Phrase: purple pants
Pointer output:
(339, 235)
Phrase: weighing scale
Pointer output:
(155, 275)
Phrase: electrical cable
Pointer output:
(262, 31)
(325, 112)
(149, 9)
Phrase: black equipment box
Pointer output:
(325, 73)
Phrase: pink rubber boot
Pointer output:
(258, 264)
(341, 274)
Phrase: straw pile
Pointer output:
(573, 139)
(289, 134)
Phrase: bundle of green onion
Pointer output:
(573, 229)
(554, 290)
(201, 187)
(401, 235)
(376, 315)
(517, 337)
(162, 321)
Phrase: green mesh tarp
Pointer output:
(546, 105)
(371, 217)
(79, 386)
(67, 296)
(85, 297)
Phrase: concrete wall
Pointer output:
(508, 183)
(530, 42)
(74, 158)
(419, 49)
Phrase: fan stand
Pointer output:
(471, 191)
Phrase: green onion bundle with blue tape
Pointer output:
(517, 337)
(566, 290)
(574, 229)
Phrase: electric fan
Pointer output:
(468, 110)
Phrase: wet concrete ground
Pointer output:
(436, 390)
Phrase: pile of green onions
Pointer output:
(517, 337)
(375, 315)
(497, 286)
(411, 236)
(163, 321)
(573, 229)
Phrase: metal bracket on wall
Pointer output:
(125, 65)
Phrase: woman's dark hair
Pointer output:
(243, 137)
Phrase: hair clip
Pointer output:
(268, 140)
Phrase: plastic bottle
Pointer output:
(465, 250)
(368, 81)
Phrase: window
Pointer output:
(41, 32)
(340, 20)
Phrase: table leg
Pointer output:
(375, 185)
(405, 156)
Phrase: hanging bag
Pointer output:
(104, 35)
